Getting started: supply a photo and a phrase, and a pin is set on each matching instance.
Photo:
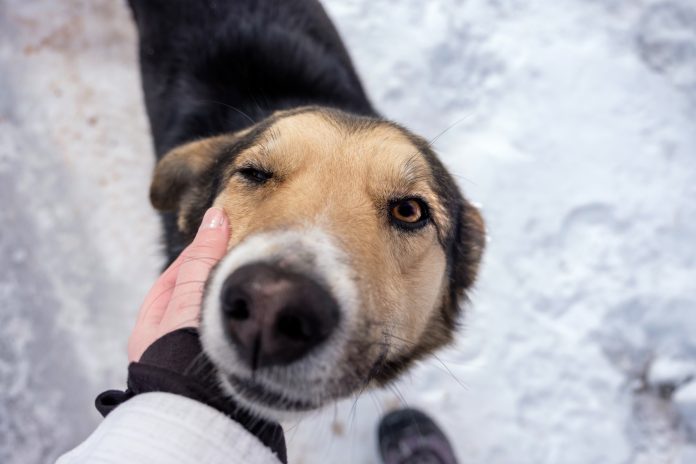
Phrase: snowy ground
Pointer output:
(573, 122)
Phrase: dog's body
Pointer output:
(351, 245)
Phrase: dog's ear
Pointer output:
(177, 171)
(469, 243)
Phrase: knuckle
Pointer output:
(200, 249)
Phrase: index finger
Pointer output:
(158, 297)
(198, 258)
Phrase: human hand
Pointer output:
(174, 301)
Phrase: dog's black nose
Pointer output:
(274, 316)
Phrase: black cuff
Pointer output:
(175, 363)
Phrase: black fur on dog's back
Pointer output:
(210, 67)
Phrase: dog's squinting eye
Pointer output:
(255, 175)
(409, 213)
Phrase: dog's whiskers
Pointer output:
(448, 128)
(437, 358)
(226, 105)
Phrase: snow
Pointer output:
(573, 123)
(685, 399)
(671, 372)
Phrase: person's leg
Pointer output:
(408, 436)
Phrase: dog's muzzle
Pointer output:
(278, 312)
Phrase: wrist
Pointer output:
(175, 363)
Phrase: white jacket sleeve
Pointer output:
(155, 428)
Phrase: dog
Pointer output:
(352, 249)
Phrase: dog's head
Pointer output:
(350, 251)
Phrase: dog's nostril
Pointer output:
(293, 327)
(237, 309)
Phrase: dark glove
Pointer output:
(175, 363)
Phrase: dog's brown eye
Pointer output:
(409, 213)
(257, 176)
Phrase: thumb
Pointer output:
(197, 260)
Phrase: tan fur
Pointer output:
(175, 173)
(181, 165)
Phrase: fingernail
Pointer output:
(214, 218)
